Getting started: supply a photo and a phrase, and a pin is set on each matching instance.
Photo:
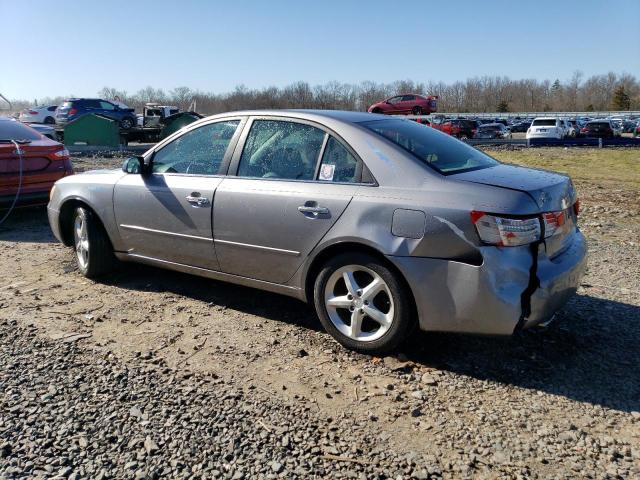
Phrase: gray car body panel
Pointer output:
(414, 216)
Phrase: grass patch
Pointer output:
(594, 165)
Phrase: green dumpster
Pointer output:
(92, 129)
(175, 122)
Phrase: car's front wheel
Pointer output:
(416, 110)
(94, 254)
(127, 123)
(362, 303)
(49, 120)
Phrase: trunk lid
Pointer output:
(36, 161)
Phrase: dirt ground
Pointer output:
(562, 401)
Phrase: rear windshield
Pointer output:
(10, 130)
(598, 124)
(489, 127)
(437, 150)
(544, 123)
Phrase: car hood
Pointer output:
(551, 191)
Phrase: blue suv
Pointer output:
(76, 107)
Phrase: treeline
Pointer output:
(610, 91)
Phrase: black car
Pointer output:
(520, 126)
(492, 131)
(598, 129)
(77, 107)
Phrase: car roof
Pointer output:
(492, 125)
(318, 115)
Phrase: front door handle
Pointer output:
(315, 210)
(197, 200)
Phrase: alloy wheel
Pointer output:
(81, 240)
(359, 303)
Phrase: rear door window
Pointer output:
(338, 164)
(107, 106)
(281, 149)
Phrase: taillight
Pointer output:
(73, 111)
(576, 207)
(552, 222)
(32, 112)
(506, 232)
(583, 130)
(60, 155)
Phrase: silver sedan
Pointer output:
(382, 223)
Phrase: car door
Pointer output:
(395, 105)
(167, 214)
(278, 206)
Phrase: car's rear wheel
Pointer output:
(416, 110)
(49, 120)
(362, 303)
(94, 254)
(126, 123)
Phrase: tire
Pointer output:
(127, 123)
(49, 120)
(416, 110)
(389, 301)
(92, 247)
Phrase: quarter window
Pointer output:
(338, 165)
(107, 106)
(281, 149)
(198, 152)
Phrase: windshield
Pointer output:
(438, 150)
(489, 128)
(11, 130)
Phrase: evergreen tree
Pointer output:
(620, 100)
(503, 107)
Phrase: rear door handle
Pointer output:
(197, 200)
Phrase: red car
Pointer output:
(43, 162)
(459, 128)
(406, 104)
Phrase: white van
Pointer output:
(546, 127)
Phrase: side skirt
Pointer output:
(290, 291)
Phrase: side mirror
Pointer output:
(134, 165)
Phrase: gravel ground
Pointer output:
(153, 374)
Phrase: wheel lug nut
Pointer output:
(350, 297)
(359, 292)
(352, 308)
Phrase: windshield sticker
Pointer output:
(326, 171)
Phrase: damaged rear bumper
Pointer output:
(496, 297)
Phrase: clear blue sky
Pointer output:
(62, 47)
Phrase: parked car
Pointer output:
(459, 128)
(48, 131)
(546, 127)
(573, 128)
(636, 130)
(44, 114)
(600, 129)
(76, 107)
(492, 131)
(380, 222)
(521, 126)
(628, 126)
(408, 103)
(31, 168)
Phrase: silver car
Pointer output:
(380, 222)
